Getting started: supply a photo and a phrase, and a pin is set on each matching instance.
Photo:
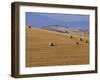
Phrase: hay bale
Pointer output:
(51, 44)
(86, 41)
(71, 37)
(29, 26)
(77, 43)
(80, 39)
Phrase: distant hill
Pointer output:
(64, 29)
(57, 28)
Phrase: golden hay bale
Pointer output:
(80, 39)
(29, 26)
(71, 36)
(51, 44)
(77, 42)
(86, 41)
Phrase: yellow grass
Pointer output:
(65, 51)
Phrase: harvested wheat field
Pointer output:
(66, 50)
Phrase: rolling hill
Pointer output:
(64, 52)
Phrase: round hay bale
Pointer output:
(77, 43)
(71, 37)
(86, 41)
(29, 26)
(51, 44)
(80, 39)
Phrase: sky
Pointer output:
(65, 20)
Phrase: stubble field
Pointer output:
(64, 51)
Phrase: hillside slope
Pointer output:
(64, 52)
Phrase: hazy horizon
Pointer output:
(66, 20)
